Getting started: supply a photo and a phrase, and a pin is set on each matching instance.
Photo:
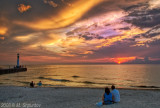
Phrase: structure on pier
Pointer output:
(17, 68)
(17, 60)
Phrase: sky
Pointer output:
(79, 31)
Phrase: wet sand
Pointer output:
(61, 97)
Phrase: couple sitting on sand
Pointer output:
(110, 97)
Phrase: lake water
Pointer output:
(123, 76)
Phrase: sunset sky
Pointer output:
(79, 31)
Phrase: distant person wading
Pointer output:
(39, 84)
(32, 84)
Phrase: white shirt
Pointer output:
(116, 95)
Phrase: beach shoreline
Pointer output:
(120, 88)
(76, 97)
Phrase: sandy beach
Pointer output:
(61, 97)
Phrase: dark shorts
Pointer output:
(108, 103)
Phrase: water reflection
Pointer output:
(87, 75)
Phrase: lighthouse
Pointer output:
(18, 60)
(17, 68)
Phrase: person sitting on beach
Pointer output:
(115, 93)
(32, 84)
(107, 97)
(40, 83)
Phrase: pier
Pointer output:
(12, 70)
(17, 68)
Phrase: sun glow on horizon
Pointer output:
(123, 59)
(119, 62)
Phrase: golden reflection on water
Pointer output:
(86, 75)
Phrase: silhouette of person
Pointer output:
(32, 84)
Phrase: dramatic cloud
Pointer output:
(154, 4)
(81, 31)
(66, 16)
(23, 8)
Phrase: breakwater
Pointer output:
(12, 70)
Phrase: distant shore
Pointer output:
(73, 97)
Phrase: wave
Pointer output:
(62, 80)
(52, 75)
(88, 82)
(23, 82)
(21, 76)
(75, 76)
(143, 86)
(66, 80)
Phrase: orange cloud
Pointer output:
(2, 38)
(122, 59)
(27, 38)
(23, 8)
(3, 30)
(118, 60)
(65, 17)
(51, 3)
(69, 4)
(23, 38)
(154, 4)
